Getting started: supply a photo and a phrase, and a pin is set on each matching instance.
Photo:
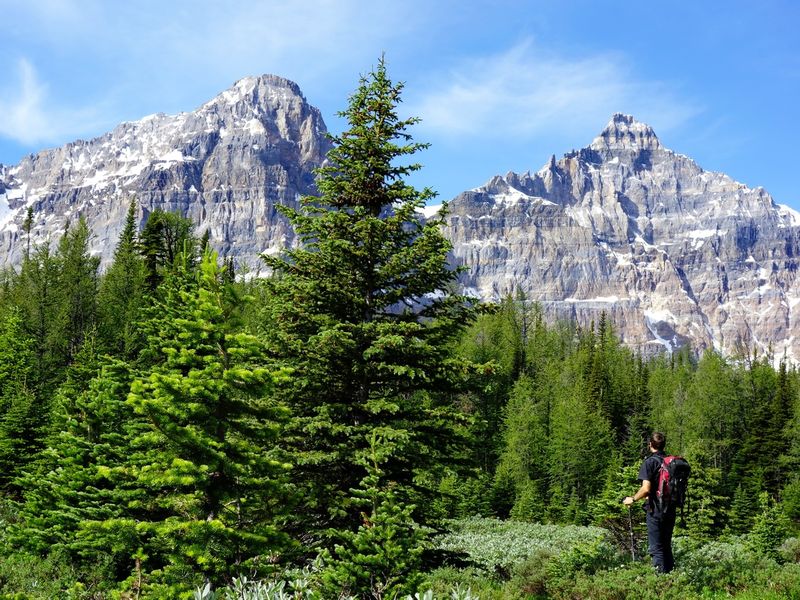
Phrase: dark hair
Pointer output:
(658, 440)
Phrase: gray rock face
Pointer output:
(672, 253)
(225, 166)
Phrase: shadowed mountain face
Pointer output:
(672, 253)
(226, 166)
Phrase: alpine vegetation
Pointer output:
(349, 426)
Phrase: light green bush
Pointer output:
(498, 546)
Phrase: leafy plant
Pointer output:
(498, 546)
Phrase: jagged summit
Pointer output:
(225, 165)
(625, 133)
(257, 91)
(673, 254)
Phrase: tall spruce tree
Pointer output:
(364, 314)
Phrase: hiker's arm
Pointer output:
(642, 493)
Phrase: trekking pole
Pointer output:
(630, 528)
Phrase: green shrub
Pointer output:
(33, 577)
(636, 580)
(790, 550)
(444, 581)
(499, 546)
(770, 530)
(588, 558)
(723, 566)
(531, 576)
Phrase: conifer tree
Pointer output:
(27, 227)
(382, 558)
(524, 456)
(705, 513)
(163, 239)
(668, 382)
(16, 354)
(122, 293)
(78, 491)
(713, 412)
(760, 444)
(76, 292)
(20, 434)
(207, 462)
(34, 292)
(364, 314)
(493, 341)
(581, 445)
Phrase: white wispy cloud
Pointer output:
(305, 40)
(29, 116)
(21, 115)
(527, 91)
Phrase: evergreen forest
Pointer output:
(350, 426)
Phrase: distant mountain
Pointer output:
(672, 253)
(226, 166)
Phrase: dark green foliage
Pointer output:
(80, 479)
(122, 293)
(706, 502)
(523, 462)
(34, 293)
(770, 529)
(21, 414)
(364, 315)
(27, 227)
(76, 292)
(166, 236)
(625, 524)
(382, 558)
(20, 435)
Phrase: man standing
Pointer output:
(660, 522)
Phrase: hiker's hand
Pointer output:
(628, 501)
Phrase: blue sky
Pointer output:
(500, 85)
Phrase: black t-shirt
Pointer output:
(649, 472)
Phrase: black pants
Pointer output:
(659, 537)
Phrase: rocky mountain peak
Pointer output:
(226, 166)
(671, 253)
(626, 134)
(258, 93)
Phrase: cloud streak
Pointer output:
(28, 116)
(525, 92)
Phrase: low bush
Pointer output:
(726, 566)
(790, 550)
(23, 576)
(497, 547)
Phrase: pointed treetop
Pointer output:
(363, 168)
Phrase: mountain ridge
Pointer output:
(671, 252)
(225, 165)
(674, 254)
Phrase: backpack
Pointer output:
(672, 483)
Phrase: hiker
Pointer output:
(660, 519)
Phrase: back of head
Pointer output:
(658, 440)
